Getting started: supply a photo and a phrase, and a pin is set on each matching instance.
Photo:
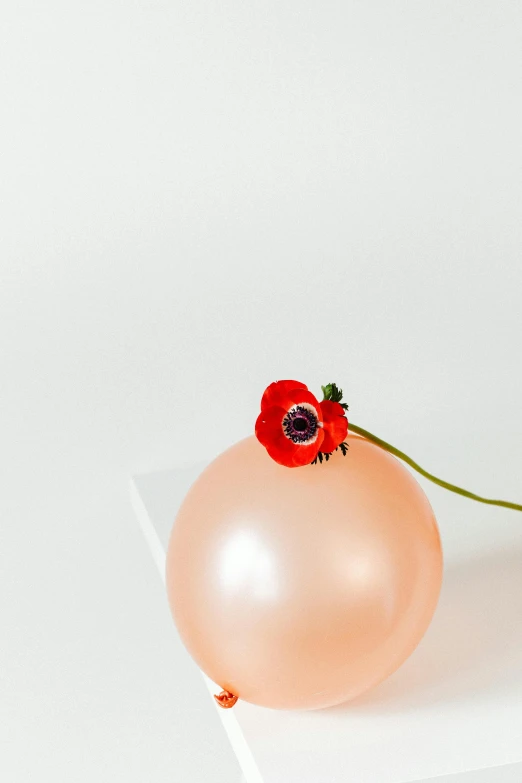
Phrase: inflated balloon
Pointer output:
(300, 589)
(303, 588)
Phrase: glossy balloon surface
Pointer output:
(299, 588)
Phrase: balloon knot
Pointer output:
(225, 699)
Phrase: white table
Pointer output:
(454, 709)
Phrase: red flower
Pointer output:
(294, 427)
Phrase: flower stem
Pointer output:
(440, 482)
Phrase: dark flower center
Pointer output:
(300, 424)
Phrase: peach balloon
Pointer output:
(300, 588)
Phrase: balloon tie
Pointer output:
(225, 699)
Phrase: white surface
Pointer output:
(197, 198)
(454, 706)
(185, 668)
(210, 726)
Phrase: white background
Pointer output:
(198, 198)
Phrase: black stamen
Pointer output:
(300, 424)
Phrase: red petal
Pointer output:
(269, 425)
(331, 409)
(300, 396)
(282, 450)
(277, 393)
(306, 454)
(335, 425)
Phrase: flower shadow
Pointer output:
(473, 645)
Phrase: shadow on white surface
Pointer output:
(474, 643)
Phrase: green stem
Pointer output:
(440, 482)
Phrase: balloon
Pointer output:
(300, 588)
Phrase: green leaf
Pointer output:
(332, 392)
(328, 390)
